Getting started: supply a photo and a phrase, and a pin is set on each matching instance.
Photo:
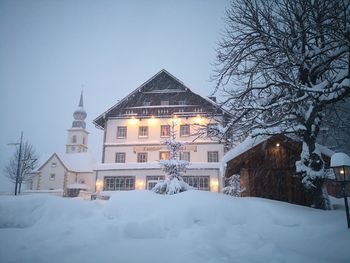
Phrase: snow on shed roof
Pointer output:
(250, 143)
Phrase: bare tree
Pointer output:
(280, 65)
(26, 160)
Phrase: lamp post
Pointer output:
(340, 162)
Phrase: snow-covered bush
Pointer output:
(233, 186)
(173, 168)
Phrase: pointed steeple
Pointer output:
(81, 102)
(79, 114)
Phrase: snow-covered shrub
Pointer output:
(233, 186)
(173, 168)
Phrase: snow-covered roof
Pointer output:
(244, 146)
(151, 165)
(79, 162)
(250, 143)
(75, 162)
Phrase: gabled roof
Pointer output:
(74, 162)
(163, 85)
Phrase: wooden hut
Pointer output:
(266, 166)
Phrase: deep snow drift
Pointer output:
(194, 226)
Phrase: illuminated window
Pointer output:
(143, 131)
(213, 157)
(121, 132)
(185, 156)
(164, 102)
(184, 130)
(142, 157)
(198, 182)
(164, 130)
(120, 157)
(52, 177)
(74, 139)
(119, 183)
(164, 155)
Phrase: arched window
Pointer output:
(74, 139)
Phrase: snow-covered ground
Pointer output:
(195, 226)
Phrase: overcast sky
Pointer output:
(49, 49)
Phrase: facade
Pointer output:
(70, 172)
(136, 127)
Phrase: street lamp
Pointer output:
(340, 162)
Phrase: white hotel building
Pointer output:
(136, 126)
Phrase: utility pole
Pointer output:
(19, 160)
(19, 163)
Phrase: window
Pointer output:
(142, 157)
(120, 157)
(182, 102)
(213, 157)
(121, 132)
(164, 130)
(74, 139)
(146, 103)
(185, 156)
(143, 131)
(164, 155)
(53, 165)
(184, 130)
(151, 181)
(164, 102)
(84, 140)
(199, 182)
(119, 183)
(52, 177)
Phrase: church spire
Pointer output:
(79, 114)
(81, 102)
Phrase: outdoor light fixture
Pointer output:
(340, 162)
(198, 120)
(278, 144)
(133, 121)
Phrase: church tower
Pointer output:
(77, 138)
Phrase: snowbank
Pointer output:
(194, 226)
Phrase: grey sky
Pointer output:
(48, 49)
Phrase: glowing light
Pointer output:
(342, 171)
(214, 185)
(152, 121)
(278, 144)
(133, 121)
(140, 184)
(198, 120)
(99, 185)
